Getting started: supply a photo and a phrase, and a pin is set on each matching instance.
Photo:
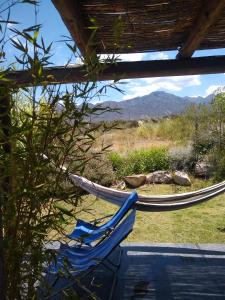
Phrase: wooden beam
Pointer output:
(126, 70)
(70, 12)
(210, 13)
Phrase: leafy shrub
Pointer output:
(219, 173)
(116, 160)
(140, 161)
(100, 170)
(217, 161)
(203, 144)
(182, 158)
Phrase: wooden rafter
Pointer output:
(70, 11)
(210, 12)
(127, 70)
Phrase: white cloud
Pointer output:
(137, 56)
(158, 56)
(141, 87)
(125, 57)
(132, 56)
(10, 25)
(211, 89)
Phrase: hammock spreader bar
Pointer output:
(153, 202)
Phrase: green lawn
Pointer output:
(204, 223)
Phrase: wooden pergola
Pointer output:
(144, 26)
(155, 25)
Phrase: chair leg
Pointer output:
(81, 286)
(113, 267)
(115, 273)
(113, 286)
(116, 265)
(113, 270)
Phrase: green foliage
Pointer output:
(177, 129)
(100, 170)
(209, 132)
(182, 158)
(116, 159)
(202, 145)
(36, 199)
(140, 161)
(219, 173)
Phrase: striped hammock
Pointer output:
(153, 202)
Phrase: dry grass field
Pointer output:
(129, 139)
(143, 137)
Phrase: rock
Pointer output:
(135, 180)
(203, 169)
(181, 178)
(159, 177)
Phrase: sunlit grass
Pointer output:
(204, 223)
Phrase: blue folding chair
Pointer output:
(76, 260)
(88, 233)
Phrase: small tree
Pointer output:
(218, 114)
(208, 127)
(37, 201)
(218, 133)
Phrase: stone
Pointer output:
(203, 169)
(135, 181)
(159, 177)
(181, 178)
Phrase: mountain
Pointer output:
(200, 100)
(156, 104)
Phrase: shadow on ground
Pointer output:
(159, 272)
(171, 272)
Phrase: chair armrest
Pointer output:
(82, 230)
(87, 225)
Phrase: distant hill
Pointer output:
(156, 104)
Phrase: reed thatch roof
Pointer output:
(145, 25)
(130, 26)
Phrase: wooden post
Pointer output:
(5, 123)
(210, 13)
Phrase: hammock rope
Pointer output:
(153, 202)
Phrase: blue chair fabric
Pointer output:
(87, 233)
(75, 260)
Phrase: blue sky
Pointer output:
(53, 29)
